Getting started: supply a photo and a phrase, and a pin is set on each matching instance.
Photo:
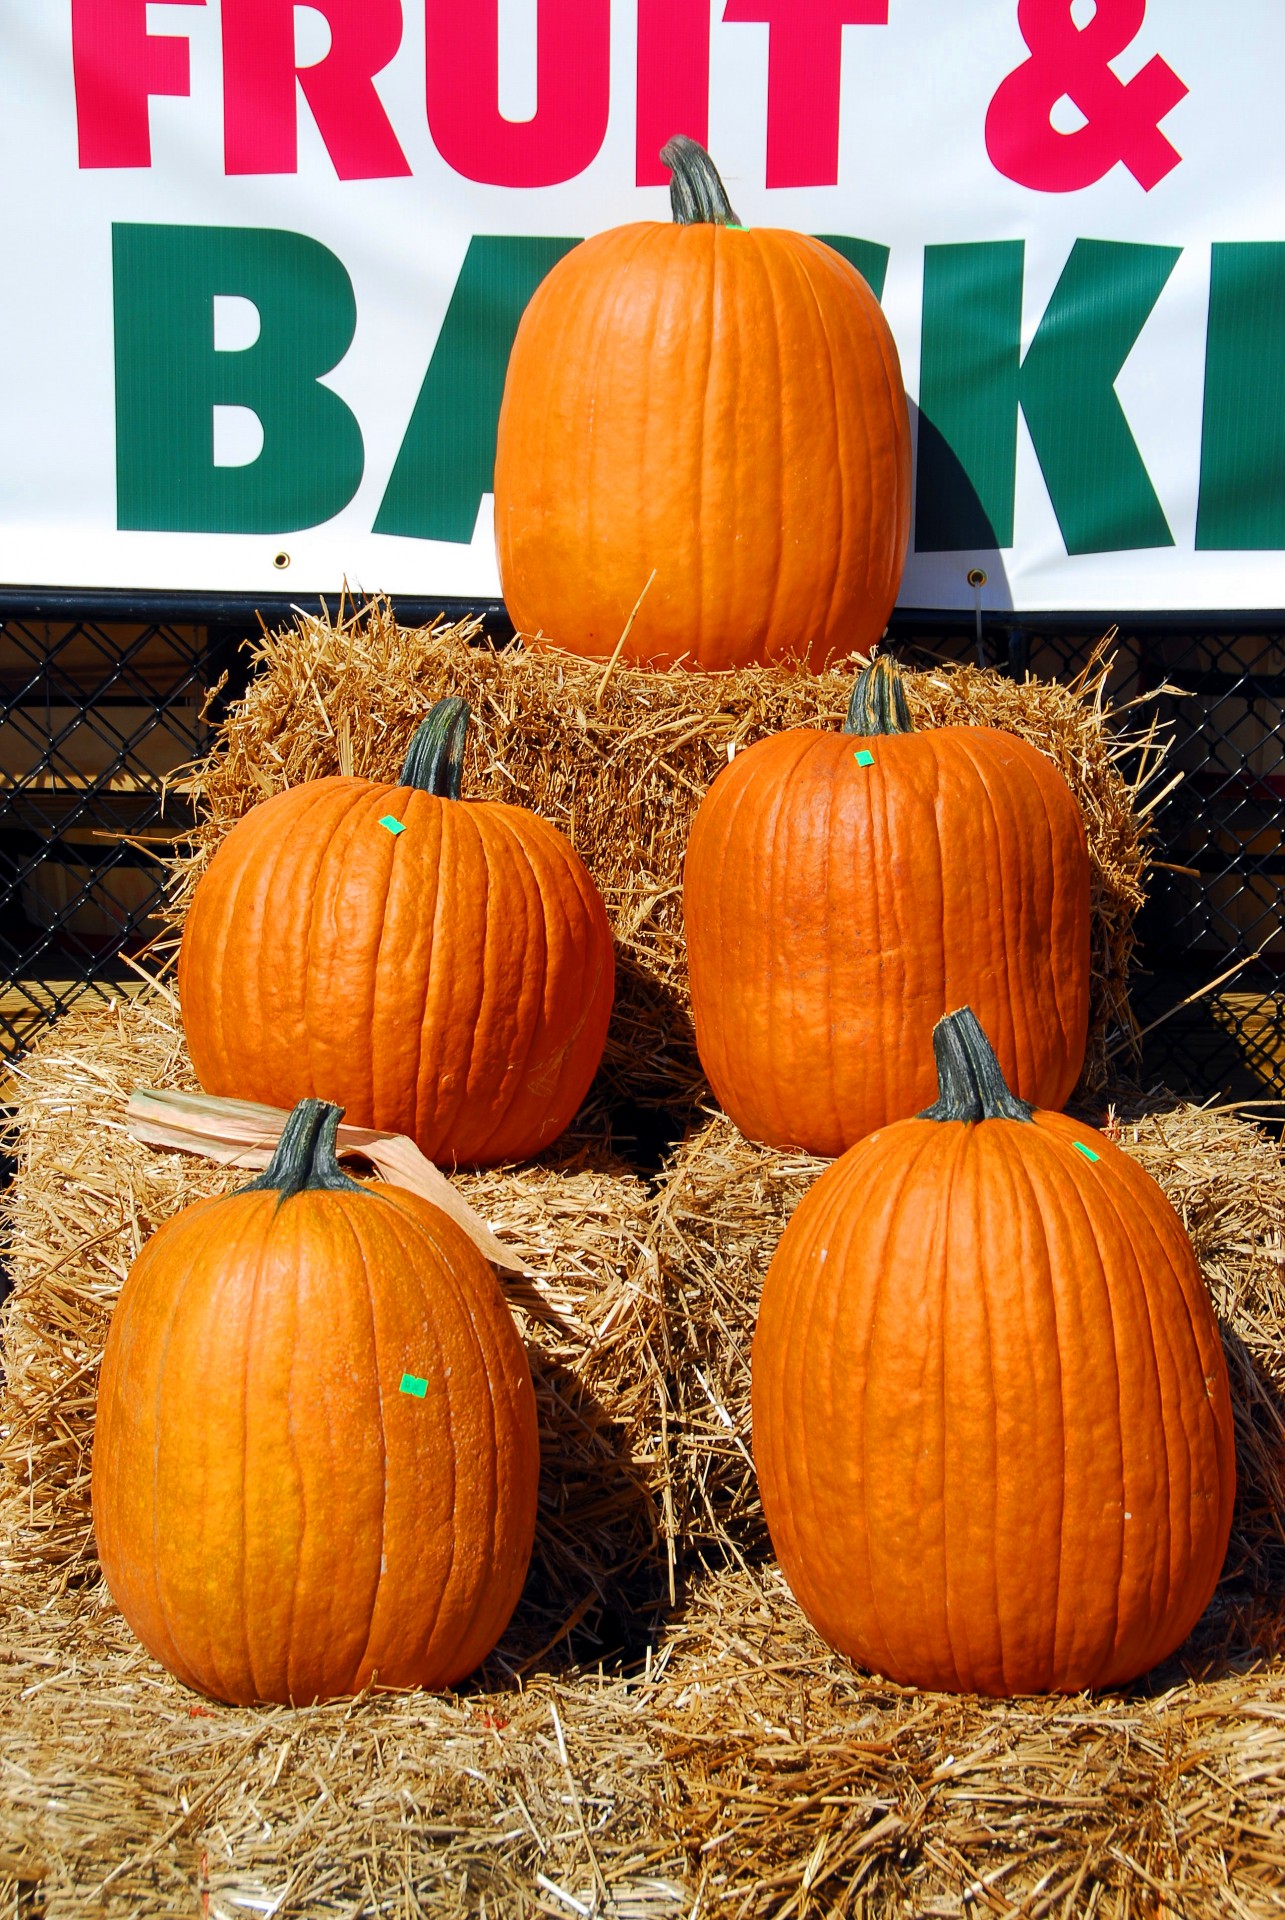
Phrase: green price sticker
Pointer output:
(1086, 1151)
(864, 758)
(412, 1384)
(394, 826)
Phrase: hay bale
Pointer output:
(87, 1196)
(725, 1203)
(747, 1771)
(620, 758)
(1225, 1179)
(712, 1750)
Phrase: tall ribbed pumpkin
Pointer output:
(442, 968)
(718, 407)
(991, 1416)
(316, 1454)
(843, 891)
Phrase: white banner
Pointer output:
(264, 262)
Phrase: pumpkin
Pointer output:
(316, 1453)
(441, 968)
(991, 1417)
(843, 891)
(705, 423)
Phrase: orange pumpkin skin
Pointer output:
(991, 1416)
(723, 406)
(835, 912)
(452, 981)
(275, 1518)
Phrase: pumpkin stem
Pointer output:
(970, 1085)
(696, 193)
(435, 759)
(878, 703)
(305, 1159)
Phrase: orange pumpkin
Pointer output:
(843, 891)
(316, 1453)
(721, 407)
(441, 968)
(991, 1416)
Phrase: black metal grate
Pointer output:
(93, 718)
(1216, 904)
(95, 714)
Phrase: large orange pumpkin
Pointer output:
(316, 1454)
(991, 1417)
(721, 407)
(442, 968)
(843, 891)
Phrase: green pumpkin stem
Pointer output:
(696, 193)
(878, 703)
(970, 1085)
(435, 759)
(305, 1160)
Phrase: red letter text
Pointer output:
(117, 65)
(805, 43)
(260, 125)
(573, 44)
(673, 80)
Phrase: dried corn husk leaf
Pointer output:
(244, 1133)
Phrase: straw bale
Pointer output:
(725, 1201)
(742, 1770)
(87, 1197)
(656, 1760)
(620, 757)
(1226, 1180)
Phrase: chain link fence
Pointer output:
(97, 718)
(1212, 934)
(1216, 906)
